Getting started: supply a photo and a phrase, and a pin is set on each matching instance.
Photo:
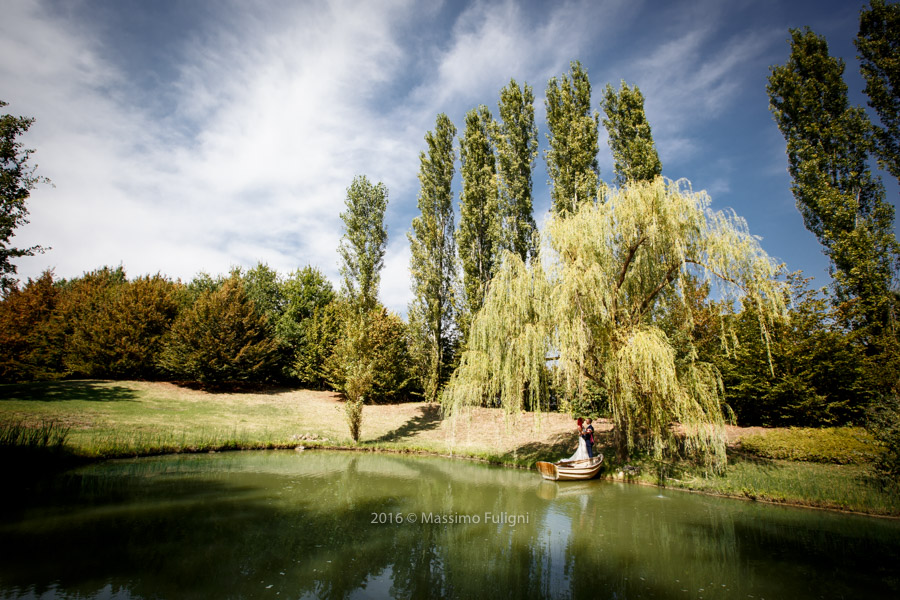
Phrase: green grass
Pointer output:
(844, 487)
(44, 437)
(839, 445)
(89, 420)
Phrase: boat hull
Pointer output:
(574, 470)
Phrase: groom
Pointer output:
(588, 435)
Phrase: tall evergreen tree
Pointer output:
(515, 137)
(433, 260)
(840, 199)
(479, 235)
(363, 245)
(878, 43)
(630, 139)
(573, 136)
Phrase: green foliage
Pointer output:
(370, 359)
(46, 435)
(317, 337)
(842, 203)
(630, 138)
(884, 425)
(573, 137)
(878, 43)
(433, 260)
(839, 445)
(516, 141)
(114, 328)
(17, 179)
(202, 283)
(353, 410)
(363, 244)
(31, 351)
(221, 338)
(369, 362)
(591, 308)
(263, 287)
(810, 372)
(479, 235)
(302, 328)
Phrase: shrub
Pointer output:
(884, 425)
(316, 338)
(372, 347)
(116, 327)
(30, 350)
(221, 338)
(305, 329)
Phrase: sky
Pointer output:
(188, 136)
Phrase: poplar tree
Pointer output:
(433, 258)
(363, 244)
(840, 199)
(586, 314)
(573, 136)
(515, 137)
(362, 258)
(479, 235)
(630, 138)
(878, 43)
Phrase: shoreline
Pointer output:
(87, 460)
(108, 420)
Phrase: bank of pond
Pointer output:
(329, 524)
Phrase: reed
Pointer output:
(46, 436)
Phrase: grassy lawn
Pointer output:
(115, 419)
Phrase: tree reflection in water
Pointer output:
(285, 524)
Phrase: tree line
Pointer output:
(637, 301)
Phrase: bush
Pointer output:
(841, 445)
(115, 327)
(30, 350)
(818, 367)
(372, 347)
(221, 338)
(884, 425)
(307, 329)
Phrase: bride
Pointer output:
(581, 453)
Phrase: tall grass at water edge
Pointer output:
(47, 436)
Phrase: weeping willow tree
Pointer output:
(587, 315)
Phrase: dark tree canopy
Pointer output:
(630, 138)
(573, 137)
(878, 43)
(841, 201)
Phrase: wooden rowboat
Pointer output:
(570, 470)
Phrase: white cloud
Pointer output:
(276, 106)
(285, 114)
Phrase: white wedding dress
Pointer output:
(581, 453)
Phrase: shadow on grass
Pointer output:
(233, 387)
(560, 446)
(59, 391)
(429, 418)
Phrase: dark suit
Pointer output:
(588, 436)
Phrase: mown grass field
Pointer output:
(107, 419)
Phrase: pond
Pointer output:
(319, 524)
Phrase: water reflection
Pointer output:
(350, 525)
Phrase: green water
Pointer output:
(352, 525)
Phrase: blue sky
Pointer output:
(188, 136)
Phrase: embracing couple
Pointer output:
(585, 439)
